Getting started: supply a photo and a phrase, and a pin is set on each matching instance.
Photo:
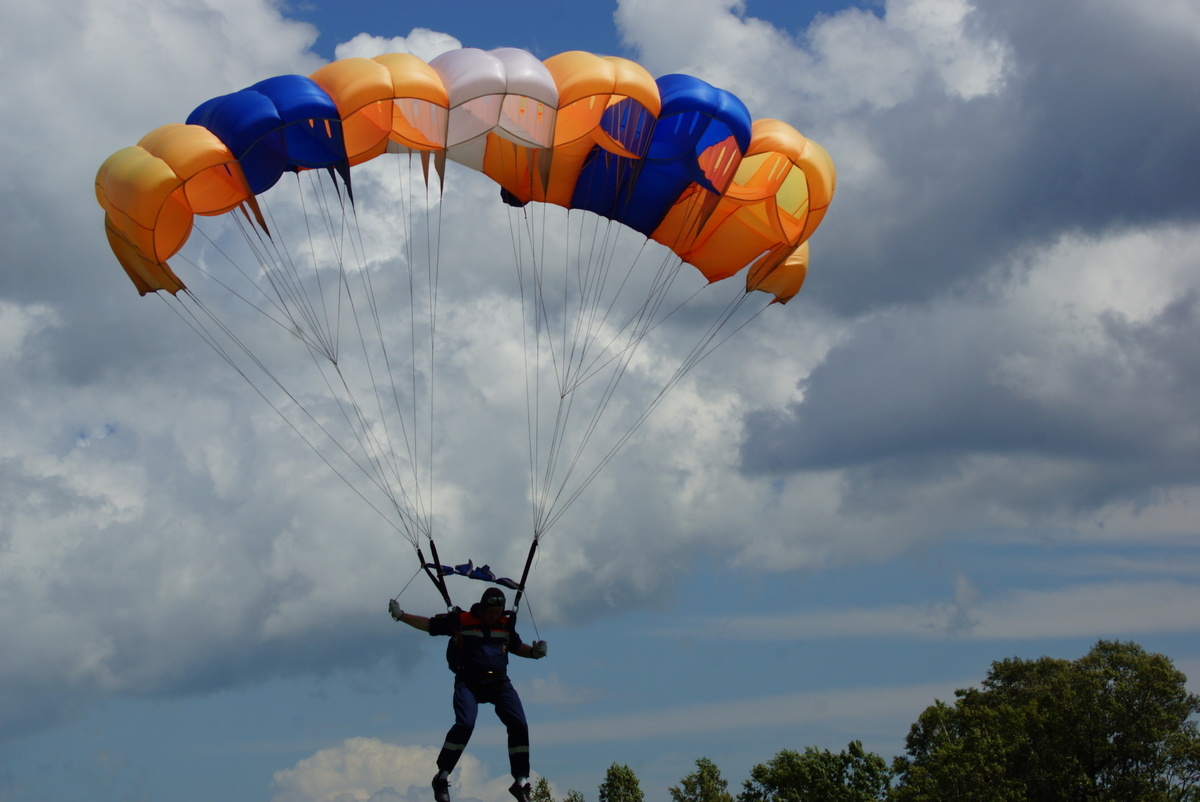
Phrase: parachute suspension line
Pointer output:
(387, 450)
(413, 510)
(532, 376)
(592, 260)
(593, 257)
(537, 244)
(376, 447)
(592, 275)
(374, 453)
(594, 272)
(289, 328)
(649, 321)
(568, 348)
(330, 326)
(270, 257)
(411, 446)
(416, 573)
(416, 500)
(602, 337)
(283, 281)
(284, 276)
(434, 249)
(190, 318)
(433, 246)
(701, 351)
(420, 453)
(565, 410)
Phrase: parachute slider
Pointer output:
(483, 573)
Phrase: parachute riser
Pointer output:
(524, 576)
(437, 579)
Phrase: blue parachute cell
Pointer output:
(280, 124)
(695, 118)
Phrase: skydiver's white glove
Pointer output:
(394, 609)
(538, 650)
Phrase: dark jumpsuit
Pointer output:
(478, 656)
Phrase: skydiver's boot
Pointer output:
(441, 788)
(520, 789)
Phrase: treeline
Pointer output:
(1116, 724)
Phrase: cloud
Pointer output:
(1097, 610)
(850, 60)
(421, 42)
(1051, 401)
(370, 770)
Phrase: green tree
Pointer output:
(703, 785)
(1115, 724)
(620, 785)
(853, 775)
(541, 791)
(574, 796)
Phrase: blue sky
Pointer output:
(972, 436)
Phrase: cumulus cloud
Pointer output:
(853, 59)
(1050, 404)
(421, 42)
(370, 770)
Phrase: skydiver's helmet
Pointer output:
(493, 597)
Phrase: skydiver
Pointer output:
(480, 642)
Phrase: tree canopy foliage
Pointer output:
(853, 775)
(705, 784)
(620, 785)
(1116, 724)
(541, 791)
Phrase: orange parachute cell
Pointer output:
(393, 102)
(777, 198)
(781, 279)
(152, 191)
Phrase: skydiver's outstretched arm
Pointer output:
(416, 621)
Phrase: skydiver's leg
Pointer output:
(512, 714)
(466, 708)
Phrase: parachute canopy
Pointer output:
(675, 158)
